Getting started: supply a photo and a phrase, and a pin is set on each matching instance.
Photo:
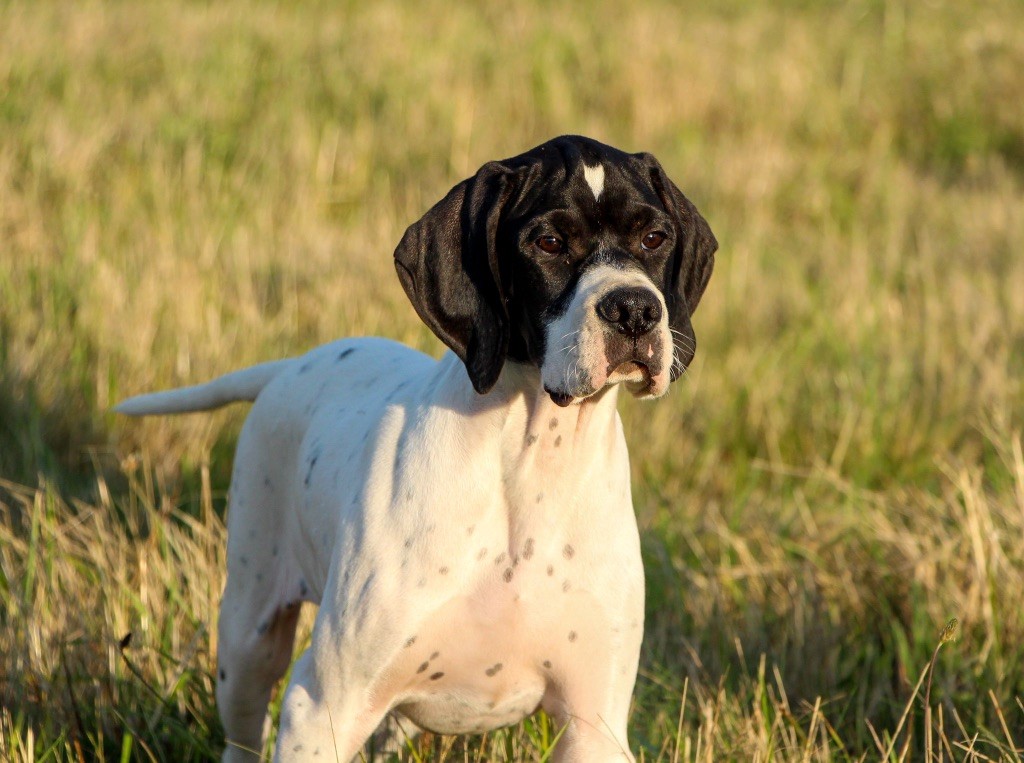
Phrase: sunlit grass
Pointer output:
(189, 188)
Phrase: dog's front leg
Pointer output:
(322, 720)
(339, 690)
(594, 723)
(593, 676)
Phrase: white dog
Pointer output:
(465, 525)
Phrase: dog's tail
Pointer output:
(236, 386)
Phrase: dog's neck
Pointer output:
(536, 434)
(545, 449)
(553, 457)
(530, 412)
(586, 419)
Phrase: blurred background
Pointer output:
(187, 188)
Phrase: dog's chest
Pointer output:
(485, 658)
(527, 602)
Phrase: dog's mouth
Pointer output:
(559, 398)
(638, 377)
(632, 371)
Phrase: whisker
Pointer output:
(684, 340)
(677, 332)
(683, 370)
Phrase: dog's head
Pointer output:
(580, 259)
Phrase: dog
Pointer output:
(465, 524)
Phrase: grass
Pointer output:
(186, 188)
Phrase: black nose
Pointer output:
(632, 310)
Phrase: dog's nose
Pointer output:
(633, 310)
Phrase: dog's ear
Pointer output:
(692, 263)
(449, 266)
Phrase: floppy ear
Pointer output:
(692, 263)
(448, 264)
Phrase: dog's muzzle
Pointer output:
(624, 339)
(634, 312)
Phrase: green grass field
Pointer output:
(187, 188)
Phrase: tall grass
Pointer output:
(189, 188)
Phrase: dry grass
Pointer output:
(188, 188)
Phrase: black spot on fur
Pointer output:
(436, 676)
(470, 529)
(410, 641)
(435, 655)
(500, 558)
(553, 423)
(312, 463)
(558, 441)
(528, 548)
(540, 497)
(551, 570)
(572, 635)
(547, 664)
(530, 439)
(443, 570)
(344, 354)
(493, 670)
(566, 586)
(508, 575)
(482, 554)
(568, 551)
(423, 668)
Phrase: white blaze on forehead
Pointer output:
(595, 179)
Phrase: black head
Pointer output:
(580, 259)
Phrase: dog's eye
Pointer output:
(653, 240)
(550, 244)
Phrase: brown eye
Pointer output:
(653, 240)
(550, 244)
